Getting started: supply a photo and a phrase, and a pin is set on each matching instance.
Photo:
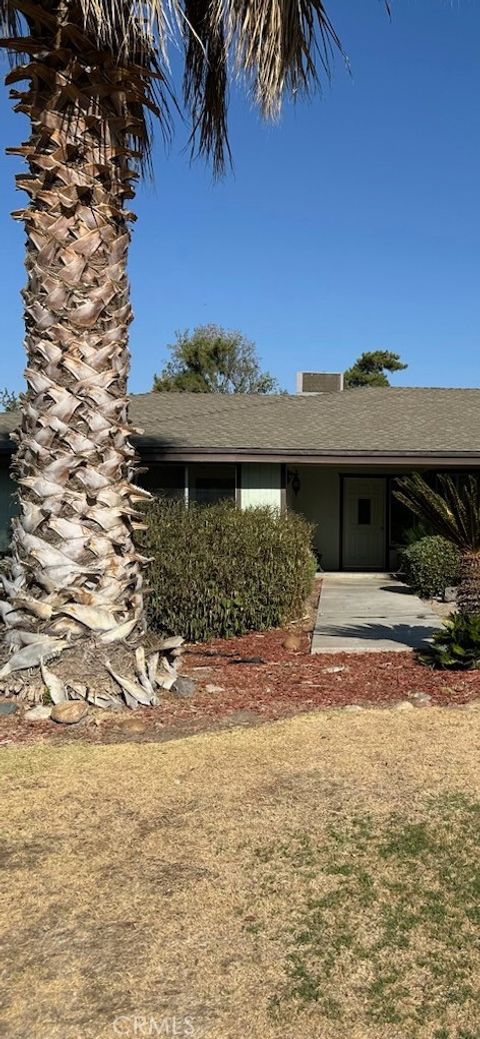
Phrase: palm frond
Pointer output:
(132, 28)
(10, 26)
(277, 41)
(205, 81)
(280, 46)
(8, 19)
(276, 44)
(453, 511)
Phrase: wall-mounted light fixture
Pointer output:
(294, 480)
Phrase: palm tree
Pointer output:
(97, 76)
(453, 512)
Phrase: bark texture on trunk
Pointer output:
(75, 568)
(468, 594)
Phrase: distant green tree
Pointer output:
(9, 401)
(214, 360)
(370, 368)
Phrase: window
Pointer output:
(165, 481)
(364, 513)
(211, 482)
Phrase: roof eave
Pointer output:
(159, 453)
(154, 450)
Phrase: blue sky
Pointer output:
(353, 224)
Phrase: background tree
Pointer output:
(371, 367)
(214, 360)
(93, 73)
(9, 401)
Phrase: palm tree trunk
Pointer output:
(75, 568)
(468, 595)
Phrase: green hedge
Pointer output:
(220, 571)
(430, 566)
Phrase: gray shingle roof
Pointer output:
(387, 421)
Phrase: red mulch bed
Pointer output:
(256, 678)
(290, 682)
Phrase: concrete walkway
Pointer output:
(370, 613)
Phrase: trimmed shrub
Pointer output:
(430, 566)
(218, 571)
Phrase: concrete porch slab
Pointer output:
(370, 613)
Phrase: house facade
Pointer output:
(328, 453)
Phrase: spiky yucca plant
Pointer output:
(456, 646)
(96, 73)
(454, 512)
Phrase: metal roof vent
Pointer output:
(319, 382)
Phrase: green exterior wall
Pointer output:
(261, 484)
(318, 499)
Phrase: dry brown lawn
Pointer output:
(318, 877)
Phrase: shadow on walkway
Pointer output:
(407, 636)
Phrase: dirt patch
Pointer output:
(314, 877)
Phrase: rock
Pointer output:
(41, 713)
(173, 642)
(184, 687)
(405, 705)
(210, 688)
(69, 713)
(334, 669)
(421, 699)
(292, 644)
(8, 708)
(450, 594)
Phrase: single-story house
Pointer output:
(327, 452)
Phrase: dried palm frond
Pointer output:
(453, 511)
(280, 45)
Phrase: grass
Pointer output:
(390, 911)
(318, 877)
